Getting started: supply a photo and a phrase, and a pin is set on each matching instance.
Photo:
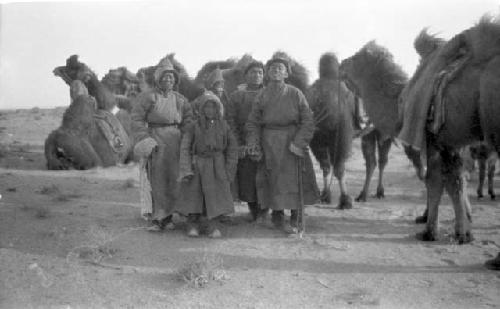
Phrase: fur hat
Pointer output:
(254, 64)
(215, 76)
(209, 96)
(278, 59)
(165, 66)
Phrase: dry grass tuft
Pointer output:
(129, 183)
(42, 212)
(58, 196)
(203, 270)
(97, 248)
(49, 190)
(64, 197)
(4, 150)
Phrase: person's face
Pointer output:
(255, 76)
(277, 71)
(209, 110)
(218, 88)
(167, 81)
(130, 88)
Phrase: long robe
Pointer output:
(208, 192)
(162, 116)
(237, 112)
(280, 116)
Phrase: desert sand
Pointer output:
(75, 239)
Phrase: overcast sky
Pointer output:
(35, 37)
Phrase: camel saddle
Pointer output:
(113, 131)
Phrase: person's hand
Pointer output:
(144, 147)
(254, 152)
(296, 150)
(242, 152)
(187, 178)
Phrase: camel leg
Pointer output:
(345, 201)
(414, 157)
(456, 186)
(435, 186)
(369, 154)
(321, 153)
(482, 175)
(383, 158)
(491, 176)
(326, 193)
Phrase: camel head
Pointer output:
(373, 67)
(121, 81)
(328, 66)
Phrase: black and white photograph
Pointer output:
(250, 154)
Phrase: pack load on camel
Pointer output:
(125, 87)
(90, 135)
(375, 77)
(452, 100)
(333, 106)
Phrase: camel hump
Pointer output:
(426, 43)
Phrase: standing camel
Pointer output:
(378, 80)
(452, 100)
(333, 106)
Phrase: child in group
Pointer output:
(208, 159)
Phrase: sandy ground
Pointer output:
(75, 239)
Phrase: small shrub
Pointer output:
(202, 271)
(35, 110)
(42, 213)
(3, 151)
(129, 183)
(49, 190)
(64, 197)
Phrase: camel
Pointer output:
(333, 107)
(374, 76)
(90, 135)
(452, 100)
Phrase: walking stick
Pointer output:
(300, 216)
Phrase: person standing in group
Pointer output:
(158, 117)
(281, 126)
(237, 111)
(209, 154)
(214, 84)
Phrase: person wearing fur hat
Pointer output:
(214, 84)
(281, 125)
(209, 154)
(237, 111)
(158, 117)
